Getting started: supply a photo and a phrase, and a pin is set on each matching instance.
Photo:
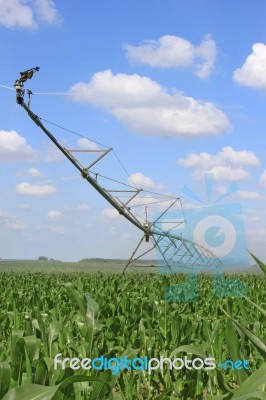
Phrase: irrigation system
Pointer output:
(174, 252)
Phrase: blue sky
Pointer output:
(177, 88)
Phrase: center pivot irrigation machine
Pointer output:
(174, 252)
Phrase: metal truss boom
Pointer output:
(174, 250)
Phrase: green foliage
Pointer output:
(260, 263)
(112, 315)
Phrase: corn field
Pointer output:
(113, 315)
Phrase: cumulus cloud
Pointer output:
(87, 144)
(175, 52)
(252, 72)
(34, 173)
(14, 148)
(27, 13)
(46, 11)
(54, 214)
(225, 156)
(27, 189)
(224, 173)
(263, 179)
(145, 107)
(11, 221)
(227, 165)
(16, 13)
(143, 182)
(31, 172)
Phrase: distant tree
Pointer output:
(42, 258)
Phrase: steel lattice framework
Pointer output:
(175, 253)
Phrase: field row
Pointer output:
(134, 315)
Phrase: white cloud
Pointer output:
(227, 165)
(110, 213)
(263, 179)
(224, 173)
(155, 202)
(175, 52)
(249, 195)
(34, 173)
(46, 11)
(225, 156)
(27, 189)
(87, 144)
(143, 182)
(16, 13)
(27, 13)
(252, 72)
(54, 214)
(83, 207)
(145, 107)
(11, 221)
(14, 147)
(206, 51)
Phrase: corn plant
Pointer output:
(100, 314)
